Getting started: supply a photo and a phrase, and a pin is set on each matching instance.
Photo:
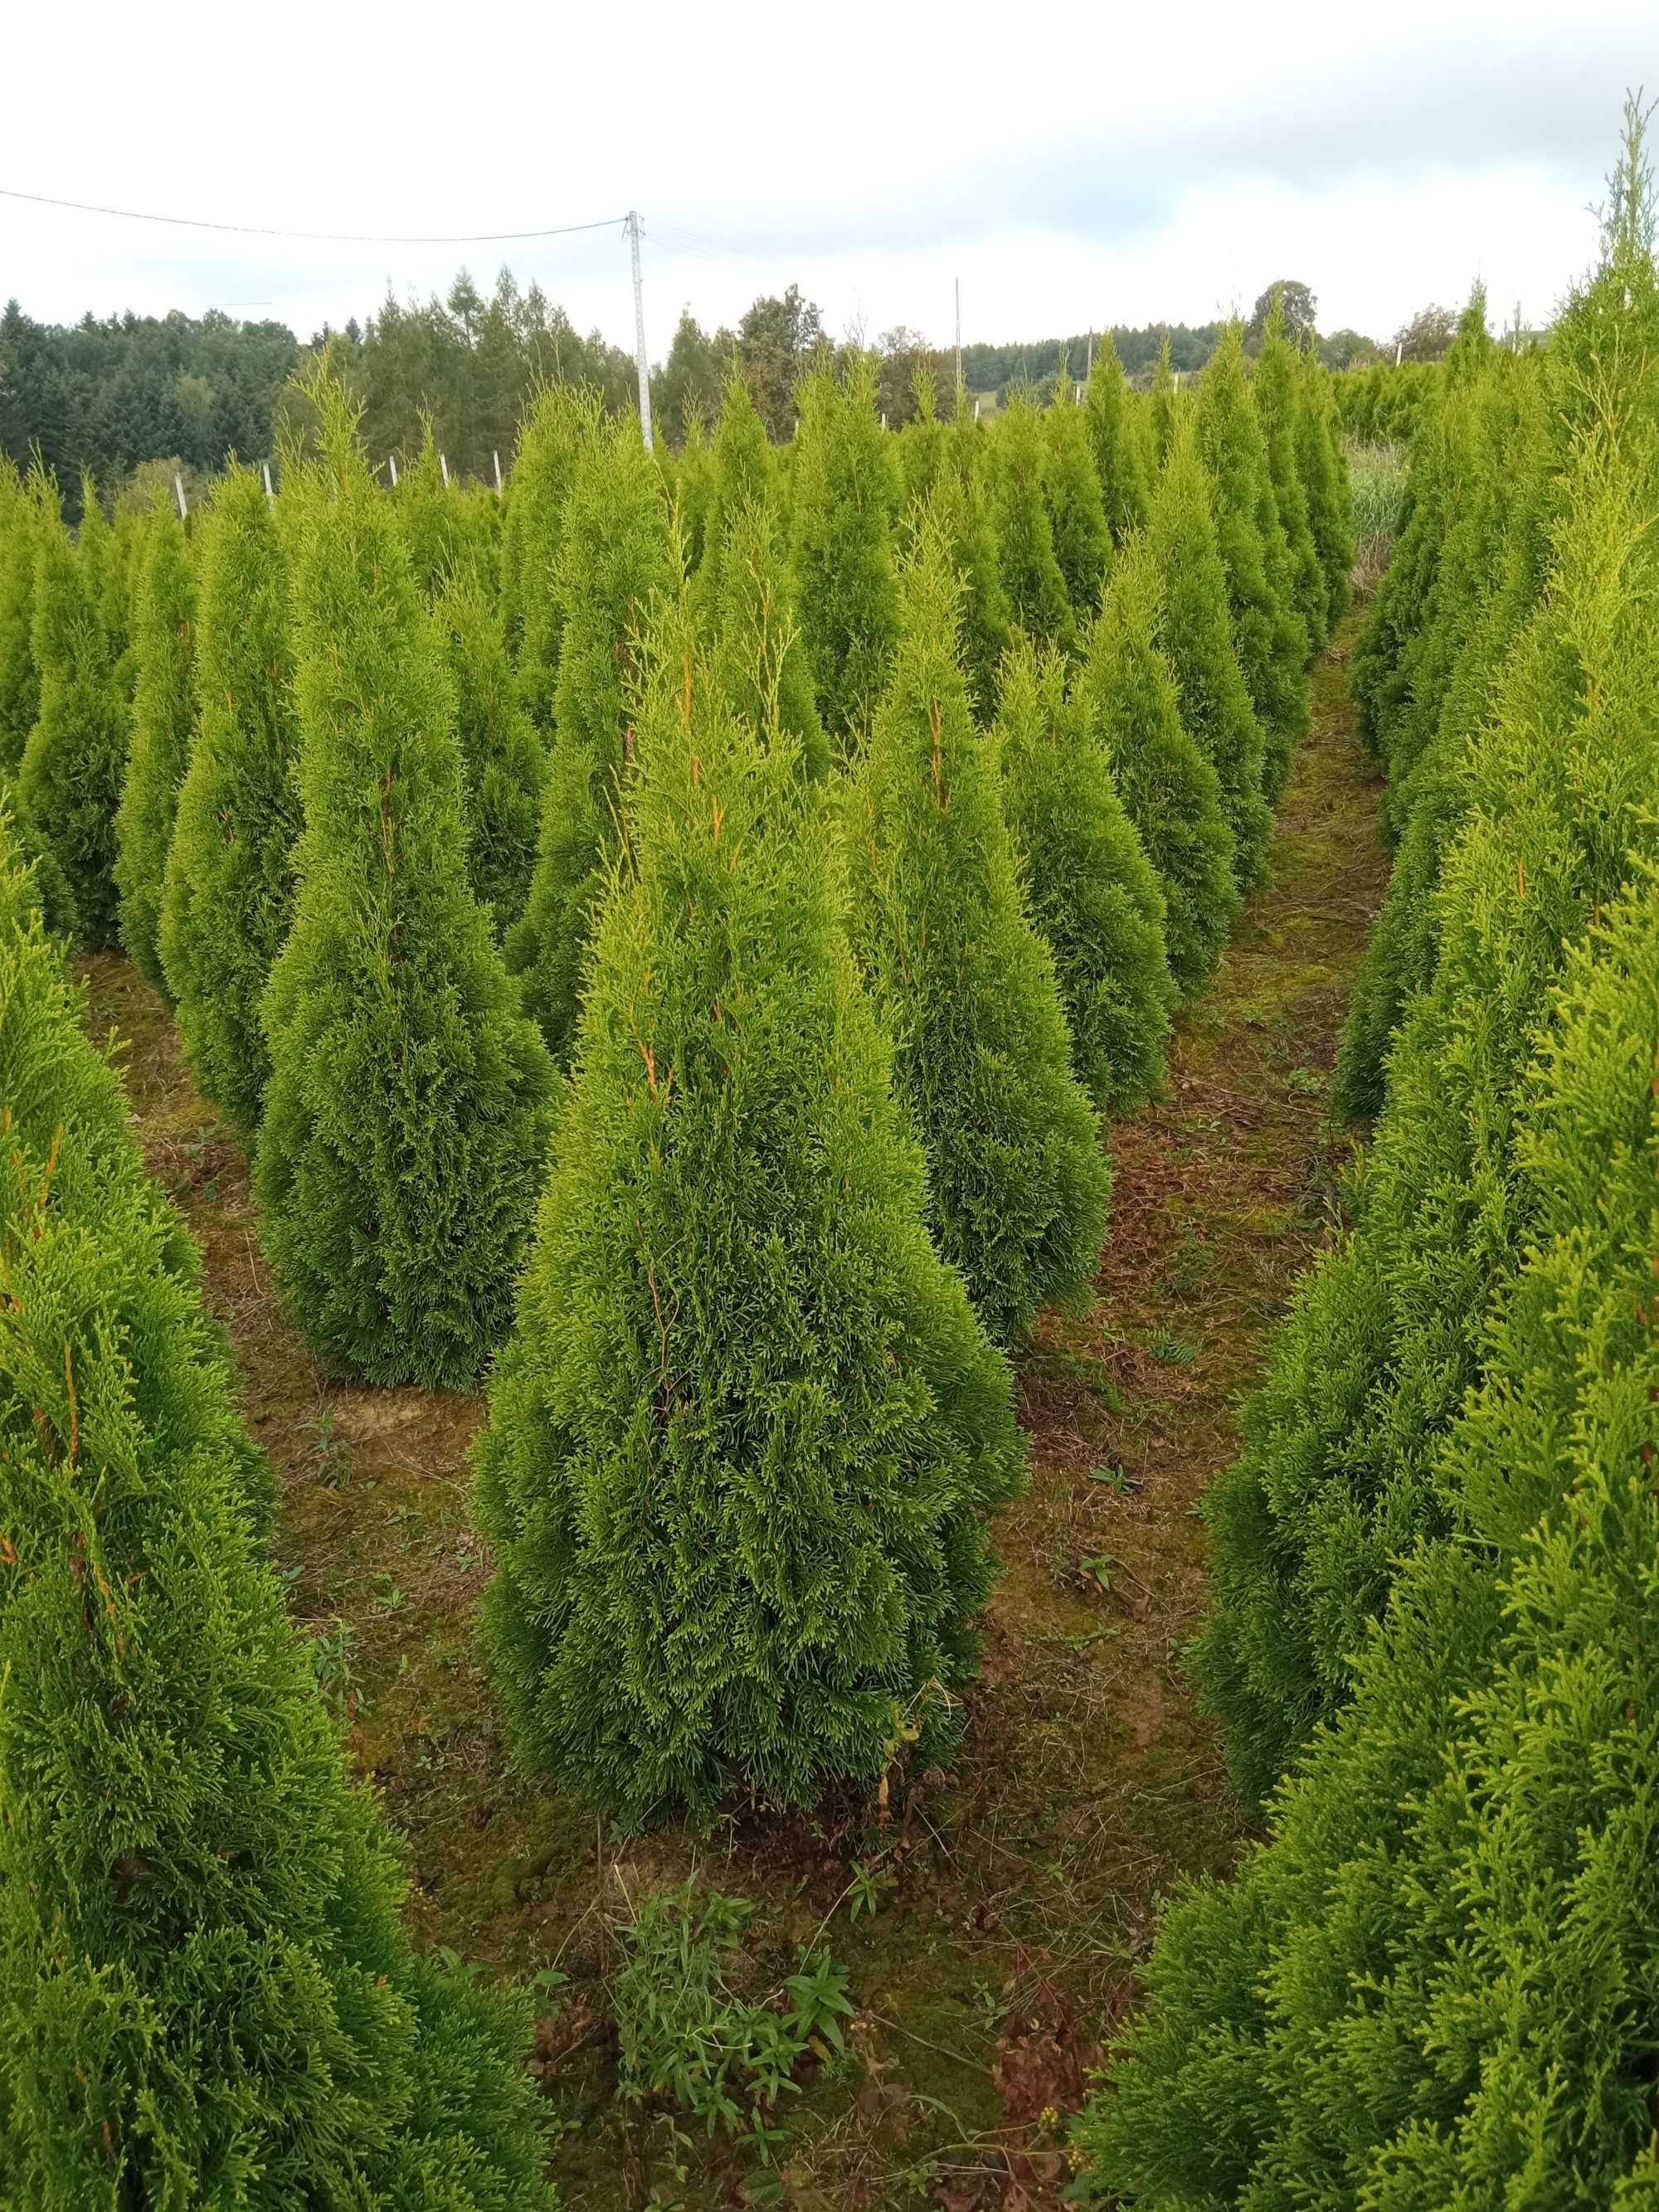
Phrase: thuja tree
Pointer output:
(617, 560)
(1269, 633)
(1125, 495)
(1089, 886)
(1130, 707)
(163, 716)
(1031, 573)
(69, 782)
(689, 478)
(437, 520)
(963, 506)
(562, 423)
(1431, 1986)
(228, 895)
(1278, 391)
(1019, 1184)
(503, 764)
(1167, 403)
(846, 500)
(741, 472)
(1195, 633)
(205, 1994)
(1324, 473)
(1335, 1482)
(758, 659)
(1076, 513)
(744, 1439)
(405, 1118)
(20, 679)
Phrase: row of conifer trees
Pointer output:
(674, 940)
(1433, 1649)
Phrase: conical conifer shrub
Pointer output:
(1031, 573)
(1089, 888)
(1278, 391)
(1325, 479)
(963, 506)
(20, 679)
(228, 895)
(758, 661)
(163, 717)
(1018, 1183)
(691, 493)
(503, 764)
(206, 1994)
(1126, 494)
(562, 423)
(405, 1119)
(1168, 787)
(436, 520)
(846, 502)
(741, 472)
(1195, 633)
(1076, 513)
(924, 443)
(745, 1434)
(1167, 402)
(615, 562)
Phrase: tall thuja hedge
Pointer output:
(1019, 1184)
(744, 1436)
(1077, 512)
(1434, 1984)
(1278, 391)
(406, 1115)
(1195, 633)
(562, 423)
(163, 717)
(1324, 471)
(228, 895)
(962, 505)
(756, 654)
(616, 560)
(438, 521)
(1167, 404)
(1335, 1481)
(20, 679)
(1089, 886)
(1031, 576)
(741, 471)
(1130, 707)
(845, 497)
(503, 764)
(205, 1993)
(1270, 634)
(689, 481)
(1120, 465)
(69, 778)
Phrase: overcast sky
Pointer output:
(1072, 166)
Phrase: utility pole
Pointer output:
(641, 362)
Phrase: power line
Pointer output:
(313, 237)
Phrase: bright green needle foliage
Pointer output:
(227, 897)
(1031, 576)
(1167, 403)
(1089, 886)
(691, 490)
(1269, 631)
(1432, 1986)
(616, 560)
(846, 493)
(562, 422)
(69, 782)
(1324, 473)
(406, 1115)
(438, 519)
(20, 679)
(503, 765)
(962, 505)
(163, 717)
(1120, 464)
(1279, 401)
(746, 1432)
(924, 443)
(1076, 513)
(1018, 1182)
(742, 472)
(1170, 788)
(206, 1994)
(758, 661)
(1195, 633)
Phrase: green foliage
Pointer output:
(758, 661)
(163, 717)
(437, 517)
(846, 493)
(1018, 1185)
(742, 472)
(562, 424)
(1076, 513)
(1324, 472)
(1195, 635)
(503, 766)
(405, 1119)
(1167, 404)
(1031, 576)
(206, 1994)
(20, 679)
(1278, 391)
(746, 1430)
(1119, 463)
(228, 895)
(69, 782)
(1089, 886)
(615, 559)
(688, 479)
(1168, 787)
(962, 504)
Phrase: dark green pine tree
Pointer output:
(205, 1993)
(406, 1120)
(1126, 494)
(1018, 1183)
(846, 502)
(742, 472)
(745, 1435)
(163, 718)
(20, 679)
(228, 896)
(562, 424)
(757, 658)
(1195, 633)
(1279, 401)
(69, 782)
(1170, 787)
(1325, 477)
(1089, 886)
(503, 764)
(616, 560)
(1076, 513)
(1267, 630)
(1025, 539)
